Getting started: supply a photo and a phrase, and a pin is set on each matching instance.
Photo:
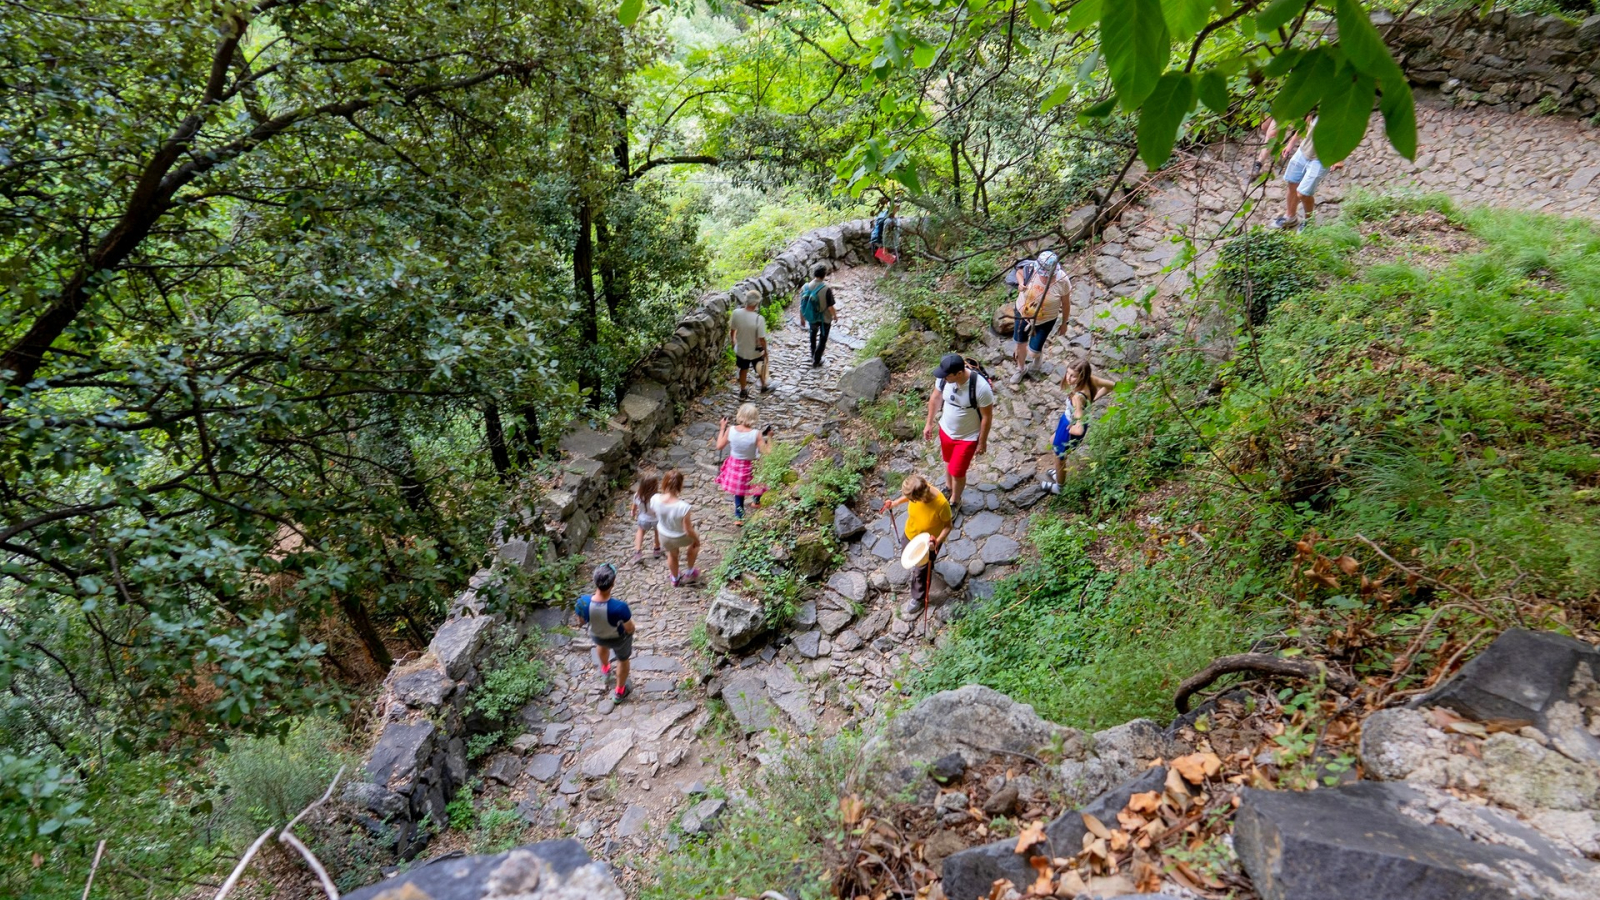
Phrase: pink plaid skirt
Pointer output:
(735, 477)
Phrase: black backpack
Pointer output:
(976, 368)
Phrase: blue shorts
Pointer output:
(1041, 333)
(1065, 440)
(1305, 174)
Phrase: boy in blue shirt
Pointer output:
(610, 624)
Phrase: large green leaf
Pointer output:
(1399, 117)
(1305, 86)
(1278, 15)
(1161, 116)
(1060, 95)
(1041, 13)
(1185, 18)
(1213, 91)
(629, 11)
(1136, 44)
(1342, 118)
(1084, 14)
(1361, 43)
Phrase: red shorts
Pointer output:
(957, 454)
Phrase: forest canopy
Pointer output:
(297, 295)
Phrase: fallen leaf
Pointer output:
(1471, 729)
(1175, 785)
(1146, 802)
(851, 809)
(1095, 826)
(1031, 835)
(1098, 849)
(1348, 565)
(1197, 767)
(1071, 885)
(1131, 821)
(1044, 885)
(1119, 841)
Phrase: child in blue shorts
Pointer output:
(1083, 388)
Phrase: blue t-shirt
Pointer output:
(617, 612)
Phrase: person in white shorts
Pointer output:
(1304, 174)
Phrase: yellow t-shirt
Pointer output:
(928, 518)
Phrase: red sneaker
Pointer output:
(622, 692)
(605, 669)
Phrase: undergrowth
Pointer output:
(1397, 464)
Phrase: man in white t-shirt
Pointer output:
(963, 401)
(748, 331)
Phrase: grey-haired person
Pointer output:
(1044, 298)
(610, 625)
(747, 328)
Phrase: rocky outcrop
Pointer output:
(734, 621)
(1114, 756)
(864, 383)
(973, 721)
(549, 870)
(1502, 58)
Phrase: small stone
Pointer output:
(543, 766)
(834, 621)
(587, 830)
(947, 768)
(674, 757)
(504, 768)
(848, 641)
(999, 550)
(953, 802)
(634, 819)
(553, 734)
(808, 644)
(599, 761)
(952, 572)
(702, 817)
(851, 585)
(982, 525)
(847, 526)
(693, 788)
(976, 567)
(1002, 802)
(606, 706)
(522, 743)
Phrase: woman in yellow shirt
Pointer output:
(927, 512)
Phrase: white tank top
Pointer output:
(742, 444)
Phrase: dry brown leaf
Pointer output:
(1471, 729)
(1185, 876)
(1031, 835)
(1119, 841)
(1348, 565)
(1131, 821)
(1146, 802)
(1071, 885)
(1197, 767)
(851, 809)
(1175, 786)
(1044, 884)
(999, 888)
(1098, 849)
(1095, 826)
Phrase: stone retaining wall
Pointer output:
(1503, 59)
(419, 759)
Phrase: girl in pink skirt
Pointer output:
(745, 443)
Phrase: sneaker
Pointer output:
(656, 553)
(1016, 379)
(622, 692)
(691, 575)
(638, 557)
(910, 609)
(1285, 222)
(1255, 168)
(1050, 487)
(744, 394)
(675, 580)
(767, 388)
(605, 669)
(1301, 225)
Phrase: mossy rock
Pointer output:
(811, 556)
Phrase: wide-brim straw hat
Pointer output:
(915, 553)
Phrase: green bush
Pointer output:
(784, 837)
(1260, 269)
(266, 781)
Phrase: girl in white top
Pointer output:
(674, 526)
(745, 443)
(643, 517)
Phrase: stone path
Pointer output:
(619, 776)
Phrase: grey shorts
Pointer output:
(621, 648)
(675, 543)
(645, 523)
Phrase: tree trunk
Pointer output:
(955, 174)
(356, 613)
(497, 442)
(583, 283)
(528, 435)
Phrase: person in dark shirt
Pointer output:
(610, 624)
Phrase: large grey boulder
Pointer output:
(865, 382)
(608, 446)
(1545, 679)
(457, 642)
(974, 721)
(968, 875)
(1116, 755)
(548, 870)
(400, 752)
(847, 526)
(374, 798)
(734, 622)
(1377, 841)
(423, 688)
(1588, 34)
(746, 698)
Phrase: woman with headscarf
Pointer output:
(1044, 297)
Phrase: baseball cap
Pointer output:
(949, 364)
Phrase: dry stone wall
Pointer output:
(1503, 59)
(419, 760)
